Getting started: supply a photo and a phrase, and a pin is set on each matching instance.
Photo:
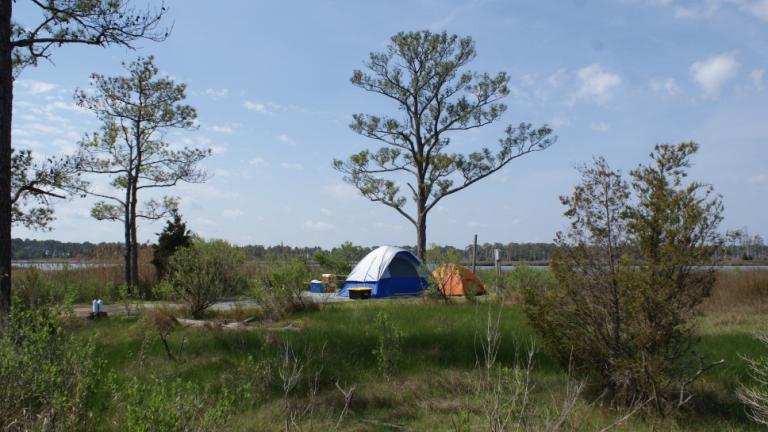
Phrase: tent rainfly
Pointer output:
(389, 272)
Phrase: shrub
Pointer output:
(205, 272)
(629, 279)
(755, 396)
(281, 290)
(389, 345)
(164, 322)
(46, 375)
(174, 405)
(510, 285)
(332, 263)
(34, 288)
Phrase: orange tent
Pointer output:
(454, 280)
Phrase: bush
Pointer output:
(33, 288)
(629, 279)
(389, 345)
(510, 285)
(332, 263)
(205, 272)
(755, 396)
(46, 375)
(174, 405)
(281, 290)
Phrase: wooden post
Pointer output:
(474, 256)
(497, 260)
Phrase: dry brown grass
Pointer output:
(98, 276)
(737, 292)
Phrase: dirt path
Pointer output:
(83, 309)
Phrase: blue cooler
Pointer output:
(316, 286)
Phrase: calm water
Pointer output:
(51, 266)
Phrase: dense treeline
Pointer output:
(26, 249)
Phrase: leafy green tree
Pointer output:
(137, 110)
(174, 236)
(205, 272)
(332, 263)
(63, 22)
(631, 270)
(424, 74)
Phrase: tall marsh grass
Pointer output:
(82, 279)
(739, 291)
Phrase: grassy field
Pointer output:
(437, 382)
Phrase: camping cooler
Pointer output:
(359, 293)
(316, 286)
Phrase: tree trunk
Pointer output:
(134, 245)
(6, 106)
(421, 235)
(128, 237)
(127, 254)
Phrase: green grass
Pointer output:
(436, 380)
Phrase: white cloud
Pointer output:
(35, 87)
(292, 166)
(757, 8)
(283, 138)
(756, 76)
(261, 107)
(340, 190)
(25, 143)
(442, 23)
(600, 127)
(318, 225)
(665, 85)
(221, 129)
(595, 84)
(220, 172)
(232, 213)
(712, 73)
(218, 149)
(64, 145)
(64, 106)
(387, 226)
(325, 212)
(215, 93)
(559, 122)
(760, 178)
(258, 162)
(557, 79)
(708, 8)
(254, 106)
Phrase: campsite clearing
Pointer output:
(436, 383)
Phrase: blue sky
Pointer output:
(270, 81)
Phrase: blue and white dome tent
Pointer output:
(389, 272)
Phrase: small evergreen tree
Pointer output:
(631, 270)
(174, 236)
